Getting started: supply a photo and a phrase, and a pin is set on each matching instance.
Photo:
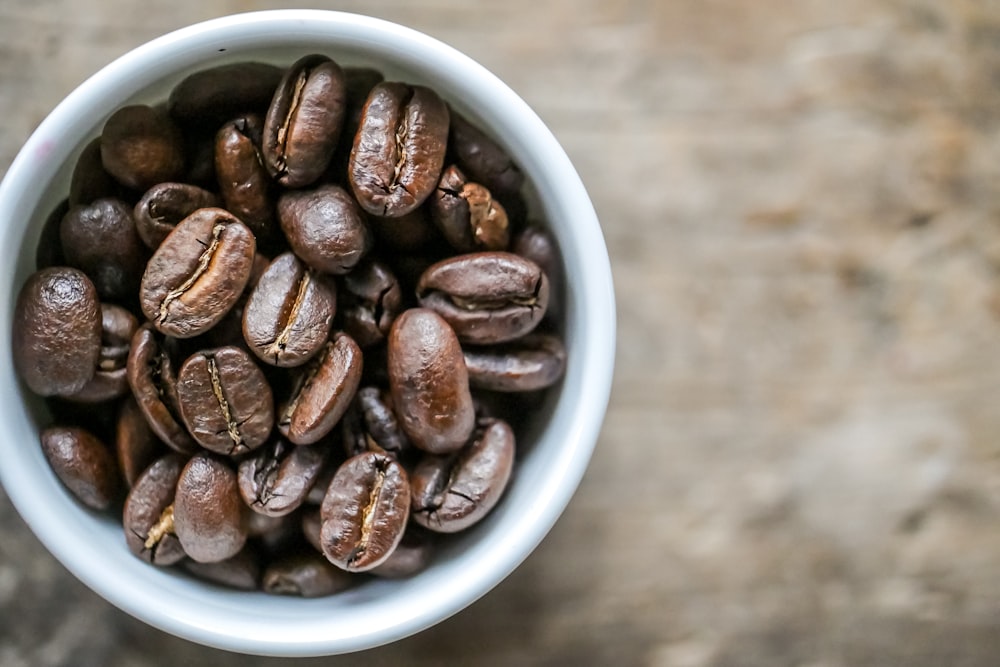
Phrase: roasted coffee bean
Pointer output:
(101, 240)
(365, 512)
(90, 181)
(322, 391)
(304, 121)
(166, 204)
(110, 380)
(289, 313)
(482, 158)
(308, 575)
(83, 464)
(487, 297)
(430, 386)
(372, 301)
(148, 518)
(244, 183)
(467, 214)
(399, 148)
(212, 96)
(141, 146)
(410, 556)
(325, 228)
(197, 273)
(151, 375)
(208, 511)
(49, 251)
(533, 362)
(536, 244)
(451, 493)
(370, 425)
(135, 443)
(241, 571)
(225, 401)
(278, 477)
(57, 331)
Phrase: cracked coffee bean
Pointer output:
(148, 518)
(467, 214)
(110, 379)
(372, 301)
(166, 204)
(279, 476)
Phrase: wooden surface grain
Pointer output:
(800, 464)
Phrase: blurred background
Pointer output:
(800, 464)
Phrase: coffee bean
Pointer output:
(101, 240)
(289, 313)
(244, 183)
(225, 401)
(83, 464)
(151, 376)
(482, 158)
(241, 571)
(208, 511)
(279, 476)
(322, 391)
(308, 575)
(370, 425)
(166, 204)
(451, 493)
(212, 96)
(372, 300)
(325, 228)
(141, 146)
(467, 214)
(148, 518)
(365, 512)
(487, 297)
(533, 362)
(197, 273)
(136, 445)
(430, 386)
(399, 148)
(57, 331)
(110, 379)
(304, 121)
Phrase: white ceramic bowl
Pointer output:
(552, 460)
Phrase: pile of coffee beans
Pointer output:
(289, 325)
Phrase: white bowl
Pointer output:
(551, 463)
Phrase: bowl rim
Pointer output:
(592, 362)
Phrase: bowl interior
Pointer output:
(551, 459)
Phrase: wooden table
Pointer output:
(800, 465)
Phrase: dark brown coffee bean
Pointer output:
(482, 158)
(57, 331)
(135, 443)
(467, 215)
(90, 181)
(148, 518)
(166, 204)
(151, 375)
(535, 243)
(430, 386)
(241, 571)
(410, 556)
(399, 148)
(304, 121)
(325, 228)
(141, 146)
(365, 512)
(83, 464)
(451, 493)
(322, 391)
(533, 362)
(197, 273)
(244, 183)
(208, 511)
(372, 301)
(370, 425)
(279, 476)
(487, 297)
(110, 380)
(289, 313)
(101, 240)
(212, 96)
(308, 575)
(225, 401)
